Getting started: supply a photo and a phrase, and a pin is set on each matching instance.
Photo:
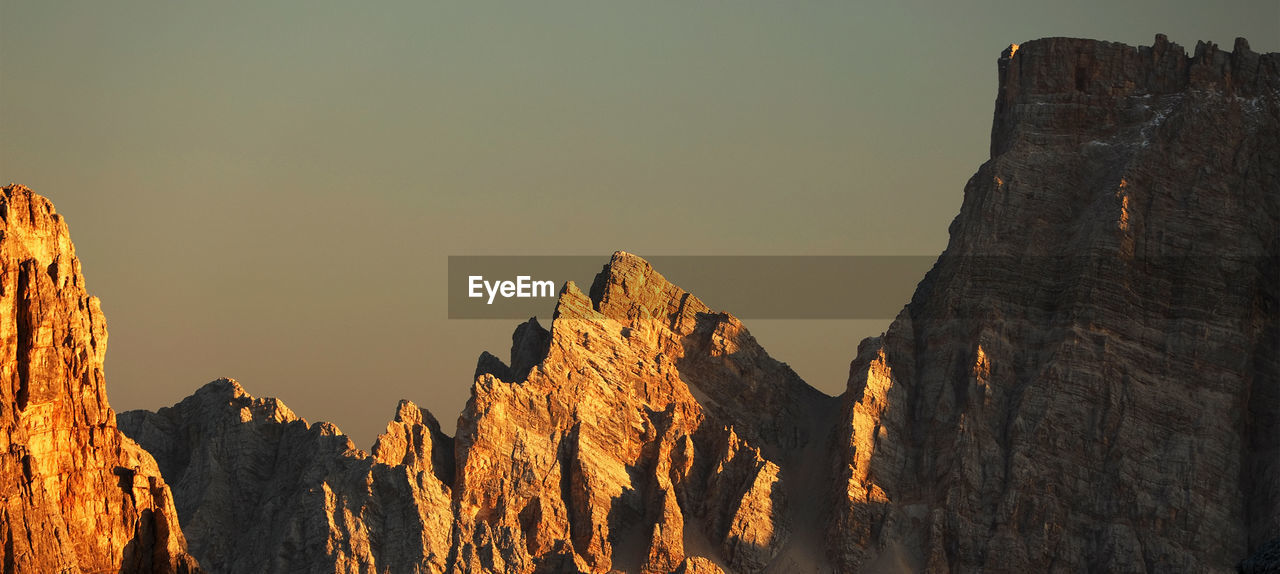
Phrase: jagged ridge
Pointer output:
(261, 490)
(1065, 390)
(589, 452)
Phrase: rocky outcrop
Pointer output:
(260, 490)
(78, 495)
(1088, 377)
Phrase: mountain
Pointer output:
(642, 432)
(1088, 379)
(78, 495)
(260, 490)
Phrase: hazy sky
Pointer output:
(269, 190)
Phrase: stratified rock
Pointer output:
(1088, 378)
(78, 495)
(260, 490)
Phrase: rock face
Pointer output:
(1088, 378)
(643, 432)
(260, 490)
(654, 430)
(78, 495)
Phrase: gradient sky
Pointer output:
(269, 190)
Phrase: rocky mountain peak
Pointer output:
(79, 495)
(249, 462)
(414, 440)
(629, 288)
(409, 413)
(226, 393)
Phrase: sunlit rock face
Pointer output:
(78, 495)
(1087, 379)
(653, 430)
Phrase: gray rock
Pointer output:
(1088, 377)
(260, 490)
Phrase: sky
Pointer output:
(270, 191)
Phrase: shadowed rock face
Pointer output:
(78, 495)
(260, 490)
(1087, 379)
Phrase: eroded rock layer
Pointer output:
(78, 496)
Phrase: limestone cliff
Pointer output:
(78, 495)
(1088, 378)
